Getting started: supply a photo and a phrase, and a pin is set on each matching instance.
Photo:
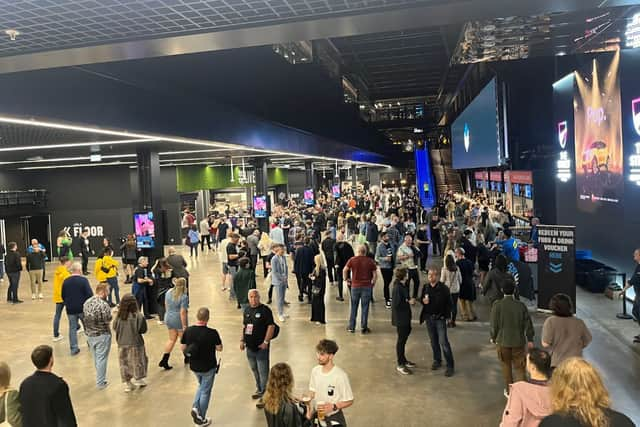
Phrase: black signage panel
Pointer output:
(556, 262)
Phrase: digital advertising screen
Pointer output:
(335, 190)
(260, 207)
(474, 134)
(144, 227)
(528, 193)
(516, 189)
(308, 197)
(598, 134)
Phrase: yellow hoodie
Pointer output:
(110, 264)
(59, 275)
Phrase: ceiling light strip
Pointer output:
(83, 165)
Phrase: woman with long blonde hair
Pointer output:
(176, 303)
(318, 287)
(580, 399)
(281, 408)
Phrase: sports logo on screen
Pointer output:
(635, 111)
(467, 137)
(562, 134)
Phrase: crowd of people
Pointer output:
(346, 246)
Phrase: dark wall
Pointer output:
(101, 197)
(297, 181)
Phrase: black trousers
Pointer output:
(265, 270)
(85, 262)
(204, 237)
(437, 246)
(340, 280)
(387, 278)
(403, 335)
(331, 269)
(415, 278)
(424, 256)
(254, 261)
(12, 291)
(304, 285)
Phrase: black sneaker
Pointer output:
(339, 299)
(436, 366)
(388, 305)
(300, 298)
(449, 372)
(269, 302)
(351, 330)
(366, 331)
(256, 395)
(409, 364)
(260, 404)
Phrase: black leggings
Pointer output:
(403, 336)
(424, 256)
(415, 277)
(331, 269)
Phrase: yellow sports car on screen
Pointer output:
(595, 158)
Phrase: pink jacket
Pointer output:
(528, 404)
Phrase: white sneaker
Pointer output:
(206, 423)
(58, 338)
(33, 296)
(286, 316)
(160, 322)
(139, 383)
(40, 296)
(129, 387)
(281, 318)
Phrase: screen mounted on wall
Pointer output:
(474, 134)
(260, 207)
(144, 226)
(309, 198)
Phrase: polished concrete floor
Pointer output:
(473, 397)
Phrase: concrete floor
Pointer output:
(473, 397)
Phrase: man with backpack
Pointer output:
(258, 330)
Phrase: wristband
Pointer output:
(265, 342)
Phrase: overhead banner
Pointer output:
(556, 262)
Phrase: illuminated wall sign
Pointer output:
(563, 168)
(634, 159)
(633, 31)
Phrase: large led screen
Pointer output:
(474, 134)
(598, 134)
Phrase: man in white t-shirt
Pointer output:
(330, 385)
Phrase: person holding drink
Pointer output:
(329, 386)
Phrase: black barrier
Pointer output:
(556, 263)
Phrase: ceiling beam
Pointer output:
(430, 14)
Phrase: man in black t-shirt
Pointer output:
(232, 259)
(257, 331)
(200, 344)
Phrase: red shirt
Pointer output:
(363, 270)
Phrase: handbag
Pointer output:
(6, 423)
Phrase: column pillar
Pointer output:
(150, 198)
(262, 184)
(354, 178)
(309, 175)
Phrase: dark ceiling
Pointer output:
(59, 24)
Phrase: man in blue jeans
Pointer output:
(257, 331)
(75, 291)
(436, 309)
(200, 343)
(97, 319)
(364, 273)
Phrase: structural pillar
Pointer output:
(310, 179)
(354, 178)
(262, 184)
(150, 198)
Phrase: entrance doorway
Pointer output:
(36, 227)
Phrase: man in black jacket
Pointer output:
(13, 266)
(343, 252)
(303, 265)
(436, 309)
(35, 265)
(328, 246)
(44, 397)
